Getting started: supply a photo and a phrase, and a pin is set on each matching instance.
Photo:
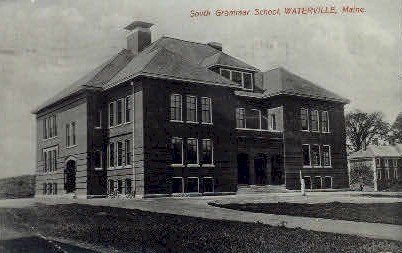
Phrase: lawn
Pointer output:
(139, 231)
(390, 213)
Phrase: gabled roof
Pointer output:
(378, 151)
(280, 81)
(165, 58)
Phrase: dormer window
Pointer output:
(245, 79)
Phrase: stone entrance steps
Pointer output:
(250, 189)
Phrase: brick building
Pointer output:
(176, 116)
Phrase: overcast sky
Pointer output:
(46, 45)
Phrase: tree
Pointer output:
(395, 135)
(364, 128)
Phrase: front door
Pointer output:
(242, 169)
(69, 177)
(260, 166)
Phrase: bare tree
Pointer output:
(364, 128)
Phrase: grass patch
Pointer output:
(389, 213)
(140, 231)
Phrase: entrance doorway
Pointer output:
(277, 170)
(243, 169)
(69, 176)
(260, 167)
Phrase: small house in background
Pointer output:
(375, 168)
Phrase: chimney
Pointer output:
(216, 45)
(139, 37)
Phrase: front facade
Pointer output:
(375, 168)
(174, 117)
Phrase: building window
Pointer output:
(45, 161)
(44, 188)
(111, 114)
(387, 173)
(315, 155)
(247, 81)
(237, 77)
(314, 121)
(175, 107)
(326, 155)
(395, 163)
(54, 159)
(98, 119)
(128, 184)
(111, 154)
(73, 133)
(386, 163)
(49, 187)
(324, 122)
(207, 152)
(226, 73)
(54, 188)
(119, 153)
(119, 112)
(327, 184)
(304, 119)
(193, 184)
(379, 174)
(49, 127)
(111, 186)
(208, 184)
(378, 162)
(98, 159)
(177, 150)
(206, 110)
(273, 121)
(120, 186)
(306, 155)
(177, 185)
(265, 121)
(253, 121)
(68, 137)
(192, 151)
(128, 152)
(191, 102)
(240, 118)
(127, 109)
(396, 172)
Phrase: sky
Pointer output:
(46, 45)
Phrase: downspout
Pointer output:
(133, 155)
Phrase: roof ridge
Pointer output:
(194, 42)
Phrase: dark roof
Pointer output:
(166, 58)
(136, 24)
(280, 81)
(378, 151)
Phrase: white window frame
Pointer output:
(395, 163)
(101, 160)
(198, 184)
(182, 152)
(311, 182)
(309, 155)
(379, 174)
(198, 155)
(377, 162)
(117, 154)
(196, 110)
(210, 111)
(396, 176)
(308, 119)
(320, 181)
(182, 185)
(114, 115)
(125, 153)
(318, 121)
(387, 173)
(108, 155)
(212, 164)
(117, 111)
(328, 130)
(319, 156)
(331, 180)
(50, 161)
(242, 73)
(213, 184)
(181, 108)
(244, 118)
(386, 162)
(259, 119)
(99, 112)
(330, 157)
(270, 122)
(126, 106)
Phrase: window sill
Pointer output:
(176, 121)
(208, 165)
(307, 130)
(193, 165)
(98, 128)
(177, 165)
(192, 122)
(128, 166)
(73, 146)
(98, 169)
(258, 130)
(51, 138)
(207, 123)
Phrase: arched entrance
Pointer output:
(242, 168)
(69, 176)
